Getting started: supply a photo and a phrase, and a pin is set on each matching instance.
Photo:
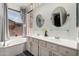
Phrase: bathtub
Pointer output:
(13, 46)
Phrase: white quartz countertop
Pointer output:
(64, 42)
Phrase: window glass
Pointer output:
(15, 23)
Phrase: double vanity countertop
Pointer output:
(60, 41)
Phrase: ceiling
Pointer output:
(17, 5)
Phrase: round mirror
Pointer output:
(59, 16)
(39, 20)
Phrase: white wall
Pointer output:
(46, 11)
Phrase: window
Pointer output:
(15, 23)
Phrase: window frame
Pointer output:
(8, 24)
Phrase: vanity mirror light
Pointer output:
(59, 16)
(39, 20)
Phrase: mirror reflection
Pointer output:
(59, 16)
(39, 20)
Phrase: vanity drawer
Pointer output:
(53, 53)
(67, 51)
(52, 47)
(35, 40)
(42, 43)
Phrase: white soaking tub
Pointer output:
(13, 46)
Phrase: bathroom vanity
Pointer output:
(46, 46)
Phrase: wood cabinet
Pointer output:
(28, 44)
(54, 53)
(43, 51)
(44, 48)
(53, 49)
(59, 50)
(67, 51)
(32, 46)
